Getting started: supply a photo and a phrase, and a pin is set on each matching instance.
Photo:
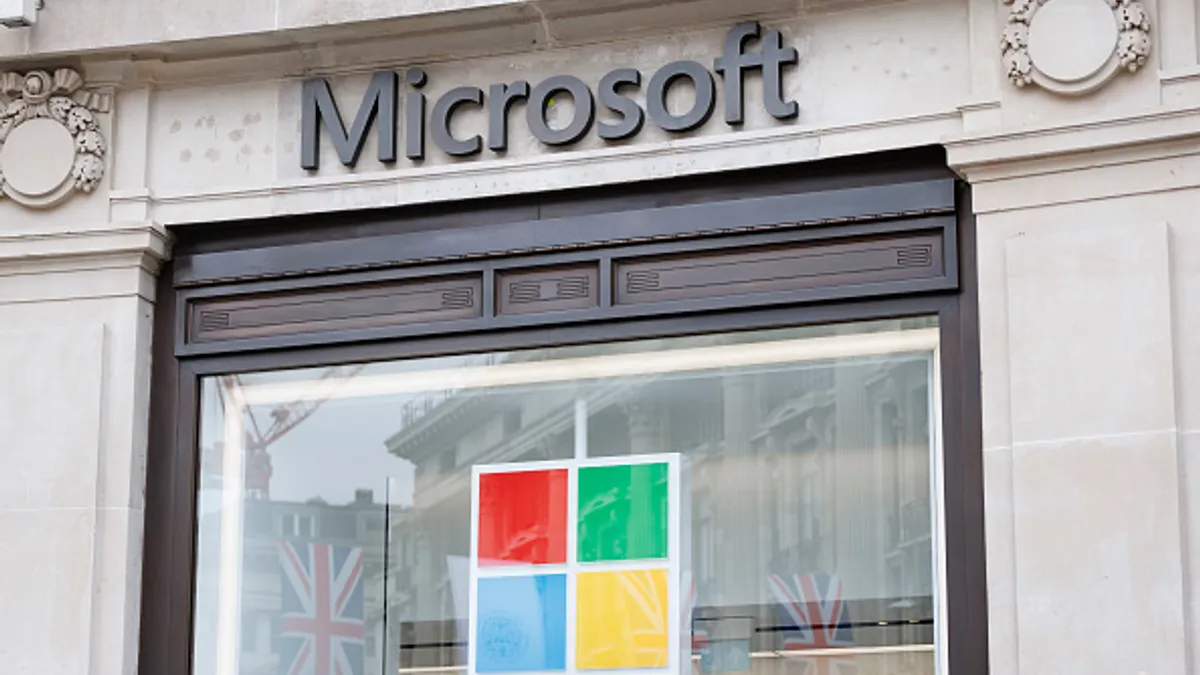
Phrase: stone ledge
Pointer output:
(174, 31)
(87, 245)
(1019, 152)
(102, 262)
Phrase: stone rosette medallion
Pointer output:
(1074, 47)
(51, 145)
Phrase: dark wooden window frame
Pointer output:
(889, 236)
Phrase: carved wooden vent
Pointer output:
(548, 289)
(573, 287)
(915, 256)
(799, 266)
(520, 292)
(641, 280)
(394, 303)
(210, 321)
(458, 298)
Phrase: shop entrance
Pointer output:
(564, 447)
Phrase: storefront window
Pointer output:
(758, 502)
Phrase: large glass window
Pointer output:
(758, 502)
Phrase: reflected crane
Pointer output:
(283, 418)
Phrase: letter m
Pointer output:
(318, 106)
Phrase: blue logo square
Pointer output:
(521, 624)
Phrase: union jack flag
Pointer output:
(815, 617)
(323, 631)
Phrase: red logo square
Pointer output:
(523, 518)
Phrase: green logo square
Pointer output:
(623, 512)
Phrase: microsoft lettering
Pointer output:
(381, 102)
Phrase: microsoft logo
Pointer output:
(577, 566)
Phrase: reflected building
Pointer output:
(266, 524)
(809, 470)
(443, 435)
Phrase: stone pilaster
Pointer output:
(75, 332)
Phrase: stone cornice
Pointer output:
(280, 26)
(1102, 159)
(145, 245)
(1013, 153)
(106, 261)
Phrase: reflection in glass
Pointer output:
(523, 518)
(622, 617)
(334, 504)
(622, 512)
(521, 627)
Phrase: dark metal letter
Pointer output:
(660, 84)
(500, 99)
(585, 110)
(632, 115)
(732, 66)
(414, 115)
(317, 105)
(775, 57)
(443, 110)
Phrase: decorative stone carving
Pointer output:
(50, 140)
(1073, 46)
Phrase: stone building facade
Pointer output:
(1074, 122)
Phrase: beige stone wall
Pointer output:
(1088, 298)
(225, 135)
(206, 125)
(1088, 246)
(75, 330)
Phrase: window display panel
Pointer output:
(758, 502)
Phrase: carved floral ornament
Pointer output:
(50, 141)
(1074, 46)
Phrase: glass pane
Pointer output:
(774, 490)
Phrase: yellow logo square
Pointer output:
(621, 619)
